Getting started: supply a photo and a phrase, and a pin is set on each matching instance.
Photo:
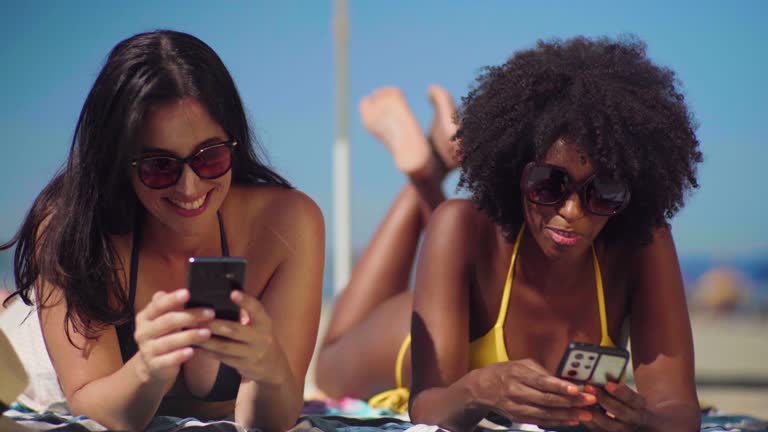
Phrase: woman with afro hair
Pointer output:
(575, 154)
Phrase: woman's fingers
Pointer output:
(171, 359)
(257, 315)
(252, 348)
(618, 409)
(539, 378)
(163, 302)
(548, 390)
(559, 400)
(172, 321)
(550, 384)
(164, 336)
(174, 341)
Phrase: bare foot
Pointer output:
(444, 126)
(386, 115)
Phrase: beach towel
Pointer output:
(49, 421)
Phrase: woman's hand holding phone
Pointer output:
(165, 334)
(623, 409)
(249, 345)
(525, 392)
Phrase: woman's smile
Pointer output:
(189, 208)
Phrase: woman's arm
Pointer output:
(662, 350)
(662, 344)
(291, 303)
(444, 392)
(95, 380)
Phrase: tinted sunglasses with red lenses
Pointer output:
(549, 185)
(162, 171)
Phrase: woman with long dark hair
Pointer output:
(162, 168)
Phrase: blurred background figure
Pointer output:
(723, 291)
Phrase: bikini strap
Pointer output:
(508, 284)
(400, 358)
(605, 339)
(223, 235)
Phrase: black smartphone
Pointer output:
(585, 363)
(211, 279)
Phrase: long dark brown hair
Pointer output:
(65, 238)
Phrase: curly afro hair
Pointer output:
(606, 96)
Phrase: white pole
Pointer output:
(342, 259)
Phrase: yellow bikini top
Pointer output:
(491, 348)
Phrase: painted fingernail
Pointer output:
(610, 386)
(204, 332)
(181, 295)
(223, 329)
(208, 313)
(573, 422)
(589, 399)
(585, 416)
(237, 295)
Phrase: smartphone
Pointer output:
(585, 363)
(211, 279)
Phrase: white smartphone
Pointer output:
(585, 363)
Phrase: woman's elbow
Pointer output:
(126, 422)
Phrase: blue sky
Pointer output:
(281, 56)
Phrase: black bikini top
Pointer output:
(227, 378)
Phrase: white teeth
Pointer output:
(194, 205)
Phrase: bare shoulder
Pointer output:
(654, 274)
(458, 212)
(460, 232)
(461, 219)
(660, 253)
(275, 203)
(289, 214)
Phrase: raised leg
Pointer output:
(371, 317)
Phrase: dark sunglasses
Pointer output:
(160, 172)
(550, 185)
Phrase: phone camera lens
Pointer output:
(587, 367)
(591, 357)
(572, 373)
(575, 364)
(579, 356)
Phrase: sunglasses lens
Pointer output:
(605, 196)
(159, 172)
(212, 162)
(545, 185)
